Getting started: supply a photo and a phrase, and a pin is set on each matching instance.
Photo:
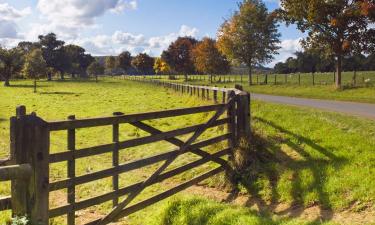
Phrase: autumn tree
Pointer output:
(95, 69)
(143, 63)
(208, 59)
(179, 55)
(110, 63)
(340, 25)
(35, 66)
(11, 61)
(250, 36)
(161, 67)
(124, 60)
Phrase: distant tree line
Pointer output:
(307, 62)
(44, 58)
(340, 37)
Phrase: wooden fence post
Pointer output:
(71, 195)
(215, 95)
(30, 144)
(115, 156)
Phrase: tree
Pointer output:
(250, 36)
(281, 68)
(143, 63)
(53, 53)
(208, 59)
(95, 69)
(27, 46)
(124, 60)
(78, 60)
(11, 61)
(35, 66)
(110, 63)
(161, 67)
(340, 25)
(179, 55)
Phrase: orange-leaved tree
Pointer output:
(208, 59)
(342, 26)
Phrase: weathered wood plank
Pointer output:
(132, 165)
(21, 171)
(71, 193)
(63, 156)
(164, 195)
(104, 121)
(5, 203)
(123, 191)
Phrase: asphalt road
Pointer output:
(352, 108)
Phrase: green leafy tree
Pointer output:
(124, 60)
(208, 59)
(35, 66)
(161, 67)
(179, 55)
(110, 64)
(95, 69)
(78, 59)
(250, 36)
(143, 63)
(341, 26)
(54, 53)
(11, 61)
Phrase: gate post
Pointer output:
(243, 114)
(30, 144)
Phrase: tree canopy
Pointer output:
(208, 59)
(143, 63)
(179, 55)
(161, 67)
(250, 36)
(340, 26)
(124, 60)
(11, 61)
(35, 66)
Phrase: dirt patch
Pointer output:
(313, 213)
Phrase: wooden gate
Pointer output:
(30, 144)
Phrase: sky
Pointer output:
(108, 27)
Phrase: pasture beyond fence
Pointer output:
(29, 165)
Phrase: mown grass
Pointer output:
(323, 89)
(312, 157)
(198, 211)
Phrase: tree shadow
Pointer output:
(27, 85)
(59, 93)
(268, 160)
(3, 119)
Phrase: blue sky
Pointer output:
(107, 27)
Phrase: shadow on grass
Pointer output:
(27, 85)
(266, 160)
(3, 119)
(59, 93)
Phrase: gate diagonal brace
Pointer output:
(113, 215)
(179, 143)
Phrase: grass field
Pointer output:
(305, 157)
(323, 89)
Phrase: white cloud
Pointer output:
(8, 26)
(121, 41)
(69, 17)
(8, 12)
(128, 38)
(288, 48)
(188, 31)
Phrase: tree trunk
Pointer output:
(6, 82)
(250, 75)
(354, 80)
(339, 70)
(186, 77)
(62, 75)
(34, 85)
(49, 76)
